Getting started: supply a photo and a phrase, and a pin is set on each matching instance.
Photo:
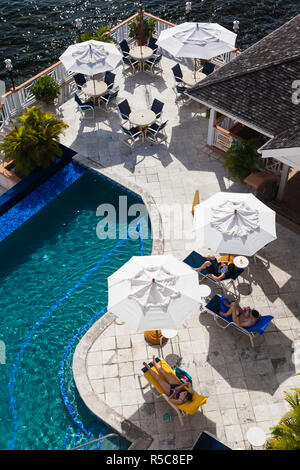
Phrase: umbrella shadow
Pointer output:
(144, 79)
(261, 368)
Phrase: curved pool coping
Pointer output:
(139, 439)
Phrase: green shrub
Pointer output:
(286, 434)
(241, 158)
(46, 89)
(34, 141)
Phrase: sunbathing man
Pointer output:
(175, 392)
(217, 271)
(243, 317)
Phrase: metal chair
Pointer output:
(109, 79)
(124, 109)
(85, 107)
(156, 133)
(132, 135)
(154, 63)
(80, 80)
(131, 63)
(108, 98)
(180, 91)
(177, 73)
(152, 44)
(124, 47)
(157, 107)
(208, 68)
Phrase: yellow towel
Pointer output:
(190, 407)
(226, 258)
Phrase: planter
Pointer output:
(47, 107)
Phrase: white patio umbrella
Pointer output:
(153, 292)
(235, 223)
(91, 57)
(197, 40)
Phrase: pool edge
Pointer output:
(138, 438)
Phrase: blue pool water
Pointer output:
(53, 287)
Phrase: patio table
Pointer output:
(94, 89)
(190, 80)
(141, 53)
(142, 118)
(241, 262)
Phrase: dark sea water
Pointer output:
(34, 33)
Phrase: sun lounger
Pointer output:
(213, 307)
(195, 260)
(188, 408)
(207, 441)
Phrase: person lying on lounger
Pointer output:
(174, 391)
(243, 317)
(217, 271)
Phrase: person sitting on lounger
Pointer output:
(174, 391)
(217, 271)
(243, 317)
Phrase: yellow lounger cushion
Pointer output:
(190, 407)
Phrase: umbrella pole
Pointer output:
(94, 86)
(195, 64)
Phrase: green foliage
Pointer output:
(46, 89)
(33, 141)
(241, 158)
(100, 35)
(286, 434)
(135, 29)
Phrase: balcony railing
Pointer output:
(21, 97)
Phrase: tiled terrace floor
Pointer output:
(245, 386)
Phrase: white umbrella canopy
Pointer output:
(91, 57)
(197, 40)
(153, 292)
(235, 223)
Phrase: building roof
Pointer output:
(257, 86)
(289, 138)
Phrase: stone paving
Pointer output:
(245, 385)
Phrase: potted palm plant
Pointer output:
(141, 30)
(46, 89)
(34, 141)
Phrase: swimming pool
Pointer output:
(53, 287)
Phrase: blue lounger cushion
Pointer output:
(207, 441)
(216, 304)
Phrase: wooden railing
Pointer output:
(15, 100)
